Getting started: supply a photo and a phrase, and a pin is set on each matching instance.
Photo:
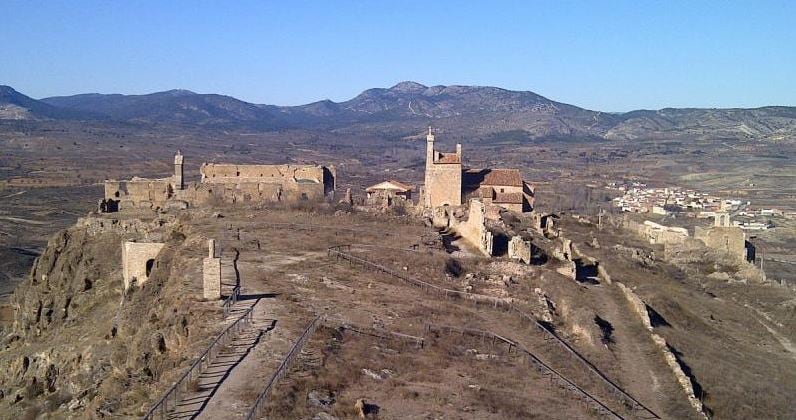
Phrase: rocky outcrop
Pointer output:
(81, 347)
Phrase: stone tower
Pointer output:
(178, 180)
(443, 182)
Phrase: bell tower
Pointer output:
(429, 165)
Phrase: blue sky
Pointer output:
(604, 55)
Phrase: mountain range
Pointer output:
(401, 109)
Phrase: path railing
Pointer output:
(591, 401)
(338, 253)
(418, 342)
(231, 300)
(343, 252)
(172, 396)
(281, 371)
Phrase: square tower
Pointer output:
(443, 183)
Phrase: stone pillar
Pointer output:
(178, 180)
(211, 273)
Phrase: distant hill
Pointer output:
(475, 109)
(406, 107)
(173, 106)
(16, 106)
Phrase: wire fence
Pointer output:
(343, 253)
(281, 371)
(418, 342)
(171, 398)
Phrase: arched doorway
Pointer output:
(150, 264)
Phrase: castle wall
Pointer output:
(263, 183)
(231, 173)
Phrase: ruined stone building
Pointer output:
(244, 183)
(723, 236)
(228, 183)
(447, 183)
(388, 191)
(138, 261)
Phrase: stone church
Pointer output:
(448, 183)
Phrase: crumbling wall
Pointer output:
(565, 253)
(232, 183)
(730, 240)
(656, 233)
(148, 230)
(138, 261)
(520, 249)
(474, 229)
(139, 192)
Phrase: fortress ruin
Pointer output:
(227, 183)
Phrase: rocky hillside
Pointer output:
(81, 348)
(400, 110)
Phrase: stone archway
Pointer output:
(150, 264)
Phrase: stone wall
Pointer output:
(520, 249)
(640, 309)
(138, 261)
(443, 184)
(657, 234)
(474, 229)
(730, 240)
(139, 193)
(263, 183)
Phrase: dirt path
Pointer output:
(235, 380)
(645, 373)
(242, 370)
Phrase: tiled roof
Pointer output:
(508, 198)
(503, 177)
